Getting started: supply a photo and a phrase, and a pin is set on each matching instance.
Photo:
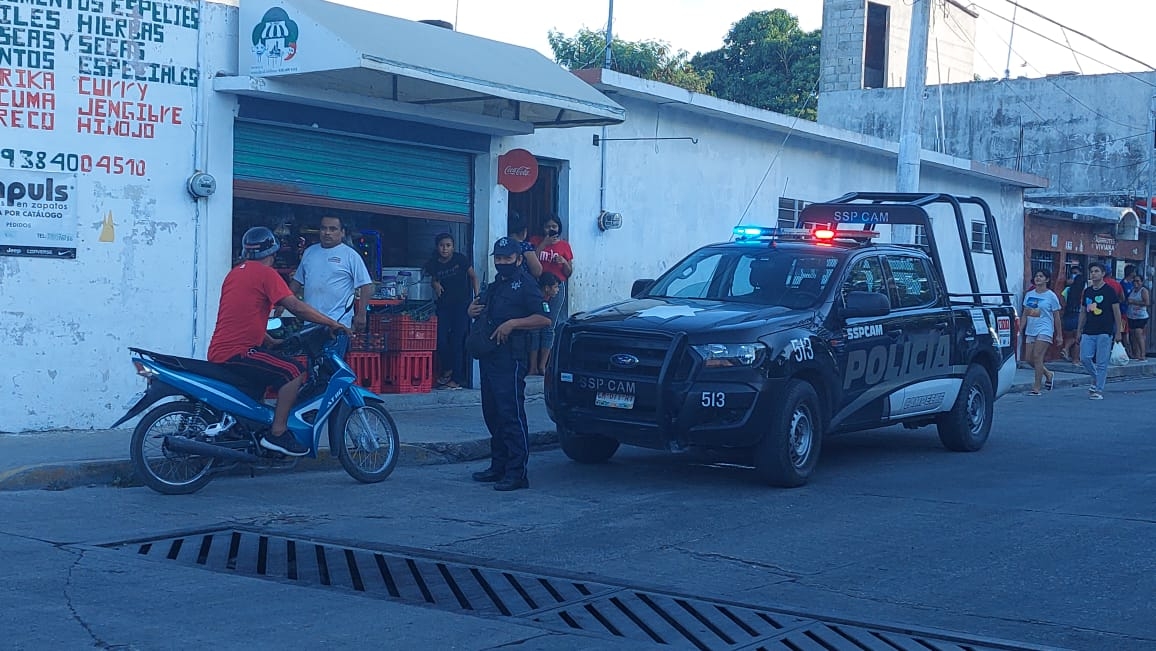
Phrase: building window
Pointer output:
(875, 46)
(789, 210)
(921, 237)
(1045, 260)
(980, 241)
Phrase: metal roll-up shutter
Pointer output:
(293, 165)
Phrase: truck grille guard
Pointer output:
(675, 364)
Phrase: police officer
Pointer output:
(515, 307)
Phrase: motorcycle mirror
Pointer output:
(273, 324)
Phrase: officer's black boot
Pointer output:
(511, 484)
(487, 475)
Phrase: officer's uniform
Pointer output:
(503, 372)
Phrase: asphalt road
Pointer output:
(1044, 537)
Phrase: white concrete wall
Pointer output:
(1086, 134)
(676, 196)
(65, 324)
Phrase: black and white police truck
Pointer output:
(774, 340)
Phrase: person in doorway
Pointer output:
(541, 341)
(557, 258)
(516, 229)
(1100, 326)
(515, 304)
(329, 272)
(454, 284)
(1039, 326)
(1138, 301)
(1073, 296)
(250, 291)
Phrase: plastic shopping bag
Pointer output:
(1119, 355)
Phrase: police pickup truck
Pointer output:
(774, 340)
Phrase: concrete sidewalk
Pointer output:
(439, 427)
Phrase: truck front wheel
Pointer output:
(587, 448)
(789, 452)
(965, 428)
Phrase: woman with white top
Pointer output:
(1138, 300)
(1039, 327)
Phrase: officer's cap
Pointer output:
(506, 246)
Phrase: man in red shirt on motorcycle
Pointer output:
(250, 291)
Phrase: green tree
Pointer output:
(653, 60)
(766, 61)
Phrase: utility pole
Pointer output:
(910, 142)
(609, 35)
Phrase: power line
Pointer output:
(1043, 121)
(782, 146)
(1052, 40)
(1076, 31)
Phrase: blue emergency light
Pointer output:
(765, 232)
(799, 234)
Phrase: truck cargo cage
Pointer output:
(871, 209)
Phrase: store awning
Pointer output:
(1124, 220)
(324, 54)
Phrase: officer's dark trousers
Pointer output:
(504, 408)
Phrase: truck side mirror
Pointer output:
(862, 304)
(640, 287)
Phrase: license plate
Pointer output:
(614, 400)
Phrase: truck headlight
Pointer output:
(723, 355)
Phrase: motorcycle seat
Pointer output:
(210, 370)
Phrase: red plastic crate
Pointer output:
(406, 334)
(367, 367)
(367, 343)
(407, 372)
(379, 323)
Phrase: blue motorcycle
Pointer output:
(209, 421)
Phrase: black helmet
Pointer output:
(258, 243)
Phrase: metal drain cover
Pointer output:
(601, 608)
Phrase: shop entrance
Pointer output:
(393, 197)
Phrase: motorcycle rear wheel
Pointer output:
(369, 443)
(161, 469)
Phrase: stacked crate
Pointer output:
(408, 361)
(395, 353)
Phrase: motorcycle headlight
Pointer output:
(724, 355)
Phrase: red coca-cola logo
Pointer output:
(517, 170)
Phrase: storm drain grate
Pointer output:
(600, 608)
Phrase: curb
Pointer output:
(118, 473)
(1076, 377)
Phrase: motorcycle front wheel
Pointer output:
(369, 443)
(162, 469)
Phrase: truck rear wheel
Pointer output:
(965, 428)
(587, 448)
(789, 452)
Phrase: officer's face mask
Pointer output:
(506, 269)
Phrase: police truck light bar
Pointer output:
(799, 234)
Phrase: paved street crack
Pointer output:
(517, 643)
(790, 574)
(96, 641)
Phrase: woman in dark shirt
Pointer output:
(455, 284)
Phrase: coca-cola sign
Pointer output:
(517, 170)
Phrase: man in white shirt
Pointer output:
(329, 272)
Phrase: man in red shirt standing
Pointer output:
(249, 292)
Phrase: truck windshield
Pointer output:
(790, 279)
